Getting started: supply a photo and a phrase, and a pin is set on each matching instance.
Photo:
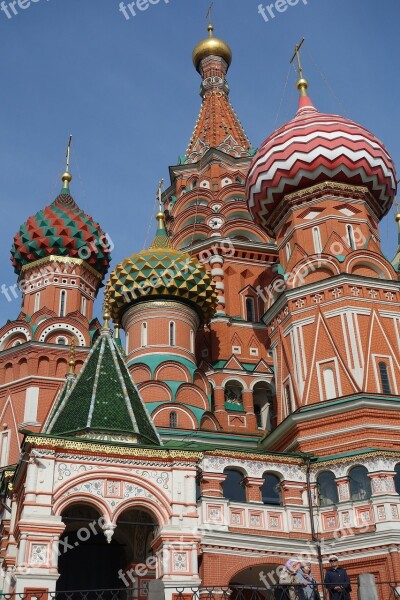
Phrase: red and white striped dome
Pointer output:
(315, 147)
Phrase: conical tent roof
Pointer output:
(103, 402)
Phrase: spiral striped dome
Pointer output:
(315, 147)
(61, 229)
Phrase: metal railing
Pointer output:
(387, 590)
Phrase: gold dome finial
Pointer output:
(302, 84)
(71, 358)
(211, 46)
(66, 177)
(106, 310)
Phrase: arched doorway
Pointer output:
(88, 561)
(254, 583)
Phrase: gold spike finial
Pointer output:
(106, 310)
(67, 177)
(302, 84)
(71, 357)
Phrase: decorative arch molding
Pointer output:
(372, 262)
(187, 393)
(313, 264)
(149, 387)
(174, 365)
(243, 563)
(209, 417)
(91, 488)
(83, 498)
(234, 378)
(262, 379)
(60, 327)
(13, 331)
(178, 409)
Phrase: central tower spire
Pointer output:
(217, 125)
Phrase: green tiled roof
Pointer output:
(103, 401)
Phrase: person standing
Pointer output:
(337, 581)
(290, 587)
(310, 586)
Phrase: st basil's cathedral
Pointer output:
(250, 411)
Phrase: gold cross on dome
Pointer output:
(208, 17)
(297, 55)
(68, 154)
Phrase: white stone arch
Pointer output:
(13, 331)
(63, 327)
(263, 380)
(376, 265)
(232, 378)
(77, 489)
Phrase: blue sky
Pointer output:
(127, 91)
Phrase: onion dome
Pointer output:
(162, 272)
(211, 46)
(61, 229)
(315, 147)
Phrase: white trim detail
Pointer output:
(63, 327)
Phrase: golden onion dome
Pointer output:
(211, 46)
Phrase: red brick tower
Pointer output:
(61, 256)
(206, 214)
(320, 184)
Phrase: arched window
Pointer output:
(350, 236)
(192, 341)
(360, 484)
(262, 400)
(270, 489)
(194, 183)
(62, 341)
(144, 335)
(173, 420)
(397, 478)
(83, 306)
(232, 487)
(250, 312)
(288, 399)
(287, 247)
(63, 302)
(37, 302)
(330, 385)
(317, 240)
(327, 489)
(234, 396)
(384, 375)
(172, 333)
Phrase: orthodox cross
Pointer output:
(297, 55)
(208, 17)
(159, 193)
(68, 153)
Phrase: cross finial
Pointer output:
(208, 17)
(297, 55)
(302, 83)
(66, 177)
(159, 194)
(68, 153)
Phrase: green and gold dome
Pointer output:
(161, 272)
